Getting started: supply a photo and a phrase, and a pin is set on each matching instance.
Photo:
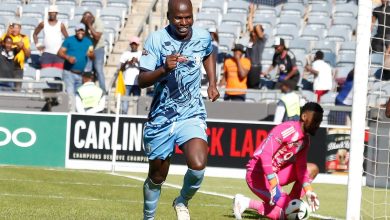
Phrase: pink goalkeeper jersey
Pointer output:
(285, 144)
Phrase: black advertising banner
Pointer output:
(230, 144)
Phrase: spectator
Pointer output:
(130, 68)
(21, 42)
(322, 71)
(7, 62)
(95, 31)
(236, 70)
(284, 59)
(255, 50)
(382, 36)
(76, 50)
(289, 105)
(53, 31)
(215, 42)
(90, 98)
(388, 108)
(344, 98)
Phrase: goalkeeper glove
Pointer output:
(275, 189)
(313, 201)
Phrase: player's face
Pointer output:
(311, 121)
(181, 19)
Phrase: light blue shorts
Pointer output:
(159, 141)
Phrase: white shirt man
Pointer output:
(322, 71)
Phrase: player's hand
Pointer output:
(312, 200)
(170, 62)
(275, 190)
(213, 93)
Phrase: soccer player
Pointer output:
(281, 160)
(171, 61)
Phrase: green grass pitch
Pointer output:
(38, 193)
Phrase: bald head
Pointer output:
(180, 18)
(177, 4)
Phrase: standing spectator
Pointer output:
(171, 60)
(90, 98)
(95, 30)
(215, 42)
(289, 105)
(130, 68)
(323, 77)
(76, 50)
(53, 30)
(381, 39)
(7, 62)
(388, 108)
(236, 71)
(284, 59)
(21, 42)
(255, 50)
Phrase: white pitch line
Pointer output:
(213, 194)
(70, 183)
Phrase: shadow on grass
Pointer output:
(249, 214)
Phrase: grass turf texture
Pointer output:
(36, 193)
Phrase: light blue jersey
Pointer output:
(176, 96)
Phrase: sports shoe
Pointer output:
(181, 210)
(240, 204)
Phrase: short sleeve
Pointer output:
(65, 44)
(123, 58)
(247, 63)
(99, 27)
(150, 53)
(292, 59)
(209, 48)
(26, 42)
(274, 63)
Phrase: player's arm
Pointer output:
(388, 108)
(148, 78)
(209, 65)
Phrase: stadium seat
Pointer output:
(113, 15)
(324, 46)
(213, 6)
(65, 13)
(209, 18)
(112, 27)
(9, 10)
(287, 20)
(238, 6)
(377, 59)
(346, 22)
(268, 10)
(300, 44)
(268, 22)
(234, 19)
(34, 11)
(4, 22)
(268, 55)
(346, 59)
(67, 2)
(309, 96)
(79, 11)
(329, 98)
(342, 73)
(312, 34)
(338, 34)
(348, 47)
(93, 3)
(300, 57)
(228, 30)
(293, 9)
(226, 44)
(39, 2)
(315, 21)
(345, 10)
(29, 22)
(288, 33)
(119, 4)
(321, 9)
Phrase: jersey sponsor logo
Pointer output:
(15, 137)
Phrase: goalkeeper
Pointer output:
(279, 161)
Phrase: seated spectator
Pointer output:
(255, 50)
(284, 59)
(53, 30)
(76, 50)
(235, 70)
(7, 63)
(323, 77)
(130, 68)
(90, 98)
(344, 98)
